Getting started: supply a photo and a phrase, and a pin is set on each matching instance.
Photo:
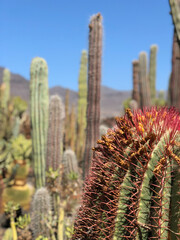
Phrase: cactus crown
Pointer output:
(129, 189)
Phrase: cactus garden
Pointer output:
(69, 170)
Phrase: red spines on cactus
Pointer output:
(128, 147)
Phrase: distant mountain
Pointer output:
(111, 99)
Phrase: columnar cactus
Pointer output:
(152, 72)
(55, 133)
(145, 99)
(94, 84)
(82, 105)
(72, 127)
(135, 93)
(175, 79)
(134, 180)
(39, 116)
(70, 163)
(6, 88)
(175, 11)
(67, 119)
(41, 211)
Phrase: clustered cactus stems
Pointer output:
(94, 85)
(55, 133)
(6, 88)
(82, 106)
(134, 180)
(41, 212)
(145, 98)
(135, 93)
(39, 116)
(152, 72)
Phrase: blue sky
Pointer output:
(57, 30)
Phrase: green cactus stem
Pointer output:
(67, 119)
(135, 93)
(72, 129)
(145, 98)
(175, 12)
(39, 116)
(131, 184)
(82, 106)
(94, 85)
(152, 72)
(55, 133)
(6, 94)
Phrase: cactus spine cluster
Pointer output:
(145, 98)
(39, 116)
(5, 89)
(55, 133)
(133, 180)
(152, 72)
(94, 84)
(82, 106)
(135, 93)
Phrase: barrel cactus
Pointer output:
(134, 180)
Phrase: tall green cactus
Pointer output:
(72, 128)
(135, 93)
(55, 133)
(82, 105)
(175, 11)
(6, 91)
(152, 72)
(174, 95)
(39, 116)
(132, 191)
(41, 211)
(94, 86)
(145, 98)
(67, 119)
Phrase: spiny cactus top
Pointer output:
(134, 180)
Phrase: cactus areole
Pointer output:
(132, 191)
